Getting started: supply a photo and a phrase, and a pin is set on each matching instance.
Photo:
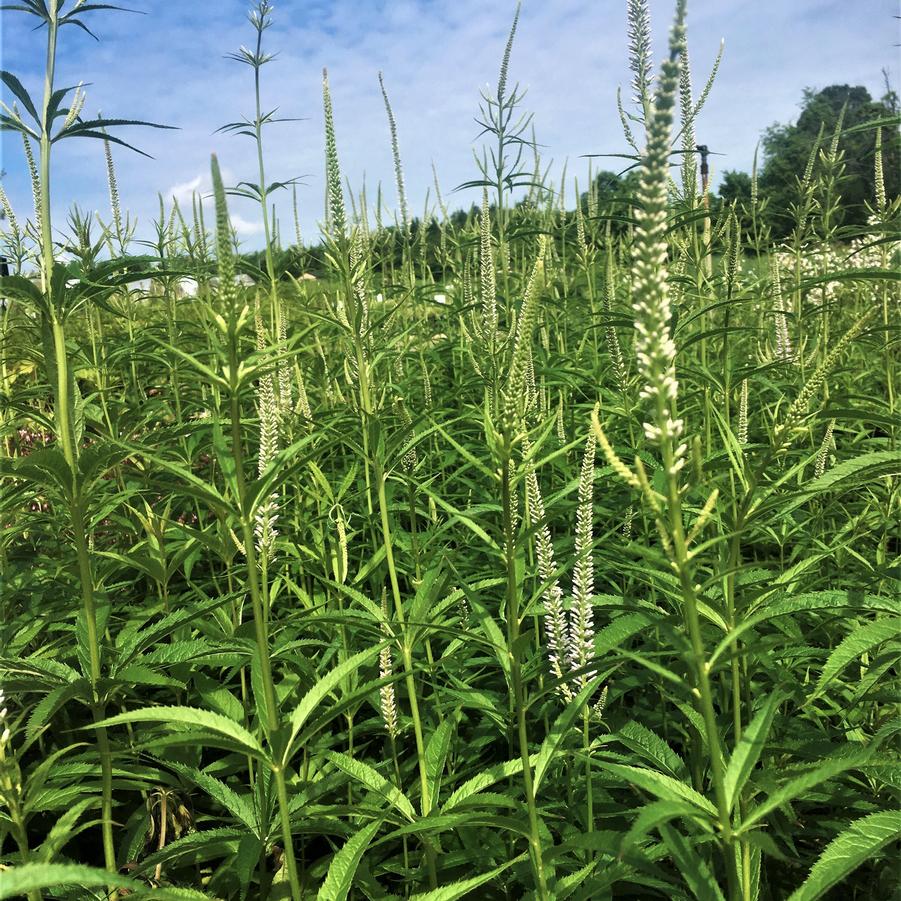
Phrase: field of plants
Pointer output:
(539, 552)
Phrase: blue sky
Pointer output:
(169, 66)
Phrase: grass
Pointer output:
(285, 569)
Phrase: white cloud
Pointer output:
(183, 192)
(169, 67)
(245, 228)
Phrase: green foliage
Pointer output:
(786, 149)
(281, 562)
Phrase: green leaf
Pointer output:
(652, 815)
(483, 780)
(862, 470)
(191, 484)
(859, 642)
(239, 807)
(664, 787)
(494, 636)
(47, 467)
(374, 781)
(693, 868)
(63, 830)
(18, 89)
(214, 723)
(749, 748)
(844, 854)
(802, 784)
(651, 747)
(21, 288)
(558, 732)
(344, 864)
(426, 594)
(211, 376)
(436, 755)
(833, 601)
(29, 877)
(314, 697)
(458, 889)
(206, 844)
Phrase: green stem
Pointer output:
(407, 654)
(513, 646)
(70, 452)
(589, 788)
(702, 688)
(97, 707)
(260, 618)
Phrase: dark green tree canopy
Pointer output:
(787, 148)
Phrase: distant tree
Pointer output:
(786, 149)
(735, 187)
(609, 186)
(614, 194)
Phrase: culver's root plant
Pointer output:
(543, 548)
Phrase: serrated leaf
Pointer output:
(372, 779)
(652, 815)
(436, 755)
(863, 639)
(214, 723)
(239, 807)
(488, 777)
(800, 785)
(863, 839)
(344, 864)
(749, 748)
(458, 889)
(317, 694)
(664, 787)
(558, 732)
(18, 89)
(30, 877)
(693, 868)
(651, 747)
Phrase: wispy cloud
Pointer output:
(245, 228)
(169, 66)
(183, 192)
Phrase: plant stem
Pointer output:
(260, 618)
(513, 646)
(407, 654)
(702, 689)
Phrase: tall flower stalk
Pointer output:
(231, 326)
(515, 404)
(56, 303)
(664, 429)
(398, 166)
(260, 18)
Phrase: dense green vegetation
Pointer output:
(525, 553)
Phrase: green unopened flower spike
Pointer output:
(823, 453)
(334, 187)
(639, 22)
(581, 624)
(743, 414)
(487, 278)
(398, 167)
(387, 698)
(655, 349)
(266, 515)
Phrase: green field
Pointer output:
(533, 552)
